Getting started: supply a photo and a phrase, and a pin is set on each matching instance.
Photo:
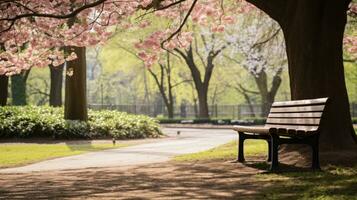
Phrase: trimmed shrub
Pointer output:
(169, 121)
(246, 121)
(33, 121)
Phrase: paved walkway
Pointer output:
(189, 141)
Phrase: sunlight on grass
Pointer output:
(333, 183)
(227, 151)
(20, 154)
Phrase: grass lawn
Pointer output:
(332, 183)
(20, 154)
(227, 151)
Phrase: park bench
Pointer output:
(289, 122)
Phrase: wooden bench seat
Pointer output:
(289, 122)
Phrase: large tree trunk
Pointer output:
(18, 88)
(75, 94)
(4, 83)
(314, 33)
(56, 74)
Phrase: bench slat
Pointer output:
(291, 121)
(290, 132)
(295, 115)
(318, 108)
(300, 102)
(295, 127)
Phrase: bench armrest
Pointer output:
(252, 129)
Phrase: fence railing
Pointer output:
(242, 111)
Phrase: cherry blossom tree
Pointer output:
(56, 77)
(258, 47)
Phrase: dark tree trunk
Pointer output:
(195, 107)
(170, 111)
(201, 85)
(250, 105)
(167, 96)
(262, 83)
(75, 91)
(267, 95)
(170, 107)
(18, 88)
(4, 83)
(203, 111)
(313, 32)
(56, 74)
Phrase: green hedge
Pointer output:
(48, 122)
(246, 121)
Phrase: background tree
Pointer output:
(56, 77)
(201, 78)
(75, 95)
(4, 82)
(38, 90)
(258, 47)
(18, 88)
(164, 83)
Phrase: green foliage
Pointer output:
(18, 89)
(48, 122)
(20, 154)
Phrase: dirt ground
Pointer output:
(214, 180)
(170, 180)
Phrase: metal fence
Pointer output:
(190, 111)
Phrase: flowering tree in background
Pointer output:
(199, 46)
(258, 47)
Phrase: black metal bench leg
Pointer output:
(241, 147)
(274, 152)
(315, 153)
(269, 150)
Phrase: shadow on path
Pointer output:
(165, 181)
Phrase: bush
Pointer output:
(169, 121)
(32, 121)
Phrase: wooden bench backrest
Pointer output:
(303, 115)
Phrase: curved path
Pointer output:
(189, 141)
